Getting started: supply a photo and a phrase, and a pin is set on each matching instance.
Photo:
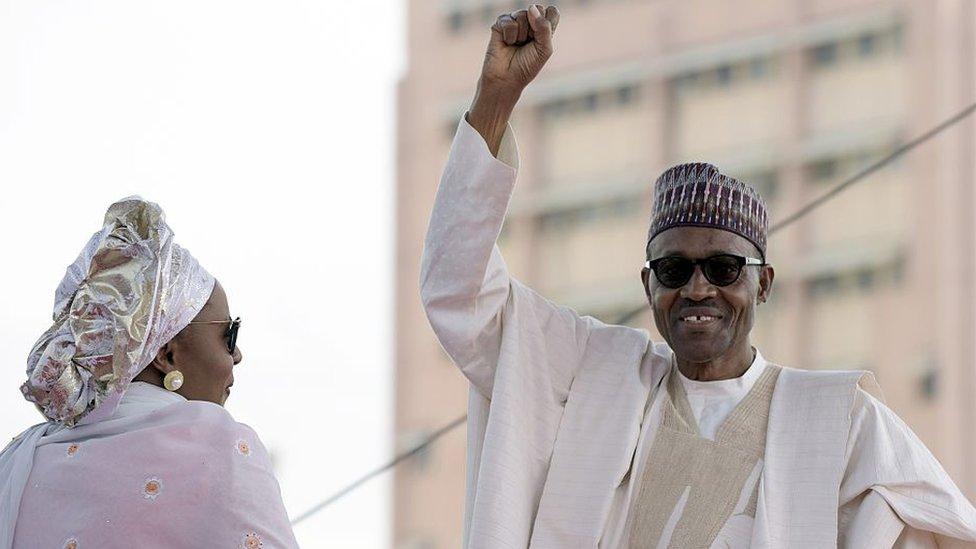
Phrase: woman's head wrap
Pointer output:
(699, 195)
(130, 291)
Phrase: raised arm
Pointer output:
(472, 303)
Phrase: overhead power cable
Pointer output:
(871, 168)
(627, 317)
(379, 470)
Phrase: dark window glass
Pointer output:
(825, 54)
(590, 102)
(625, 94)
(765, 184)
(823, 286)
(455, 21)
(867, 44)
(759, 67)
(555, 108)
(823, 169)
(898, 38)
(929, 384)
(865, 279)
(723, 75)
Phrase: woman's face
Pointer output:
(200, 352)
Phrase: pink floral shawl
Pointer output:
(161, 472)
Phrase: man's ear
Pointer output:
(163, 361)
(766, 276)
(646, 281)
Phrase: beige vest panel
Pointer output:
(690, 486)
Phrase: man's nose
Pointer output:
(698, 287)
(238, 356)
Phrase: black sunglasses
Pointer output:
(721, 270)
(235, 325)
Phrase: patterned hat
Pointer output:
(131, 290)
(698, 195)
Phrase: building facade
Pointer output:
(791, 95)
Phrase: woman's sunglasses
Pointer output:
(721, 270)
(235, 325)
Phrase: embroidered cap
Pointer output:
(699, 195)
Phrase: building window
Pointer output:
(867, 45)
(723, 75)
(626, 94)
(759, 67)
(765, 183)
(590, 102)
(688, 81)
(591, 213)
(871, 44)
(898, 38)
(555, 107)
(898, 270)
(822, 170)
(825, 54)
(865, 280)
(455, 21)
(928, 382)
(823, 286)
(490, 13)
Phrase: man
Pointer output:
(583, 434)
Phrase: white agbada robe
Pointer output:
(557, 407)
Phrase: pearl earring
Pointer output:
(173, 381)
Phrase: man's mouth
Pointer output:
(699, 319)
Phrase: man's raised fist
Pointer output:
(521, 43)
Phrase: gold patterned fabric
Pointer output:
(130, 291)
(691, 486)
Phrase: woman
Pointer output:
(137, 450)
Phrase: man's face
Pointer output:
(733, 306)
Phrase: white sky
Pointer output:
(265, 130)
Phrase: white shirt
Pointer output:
(712, 401)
